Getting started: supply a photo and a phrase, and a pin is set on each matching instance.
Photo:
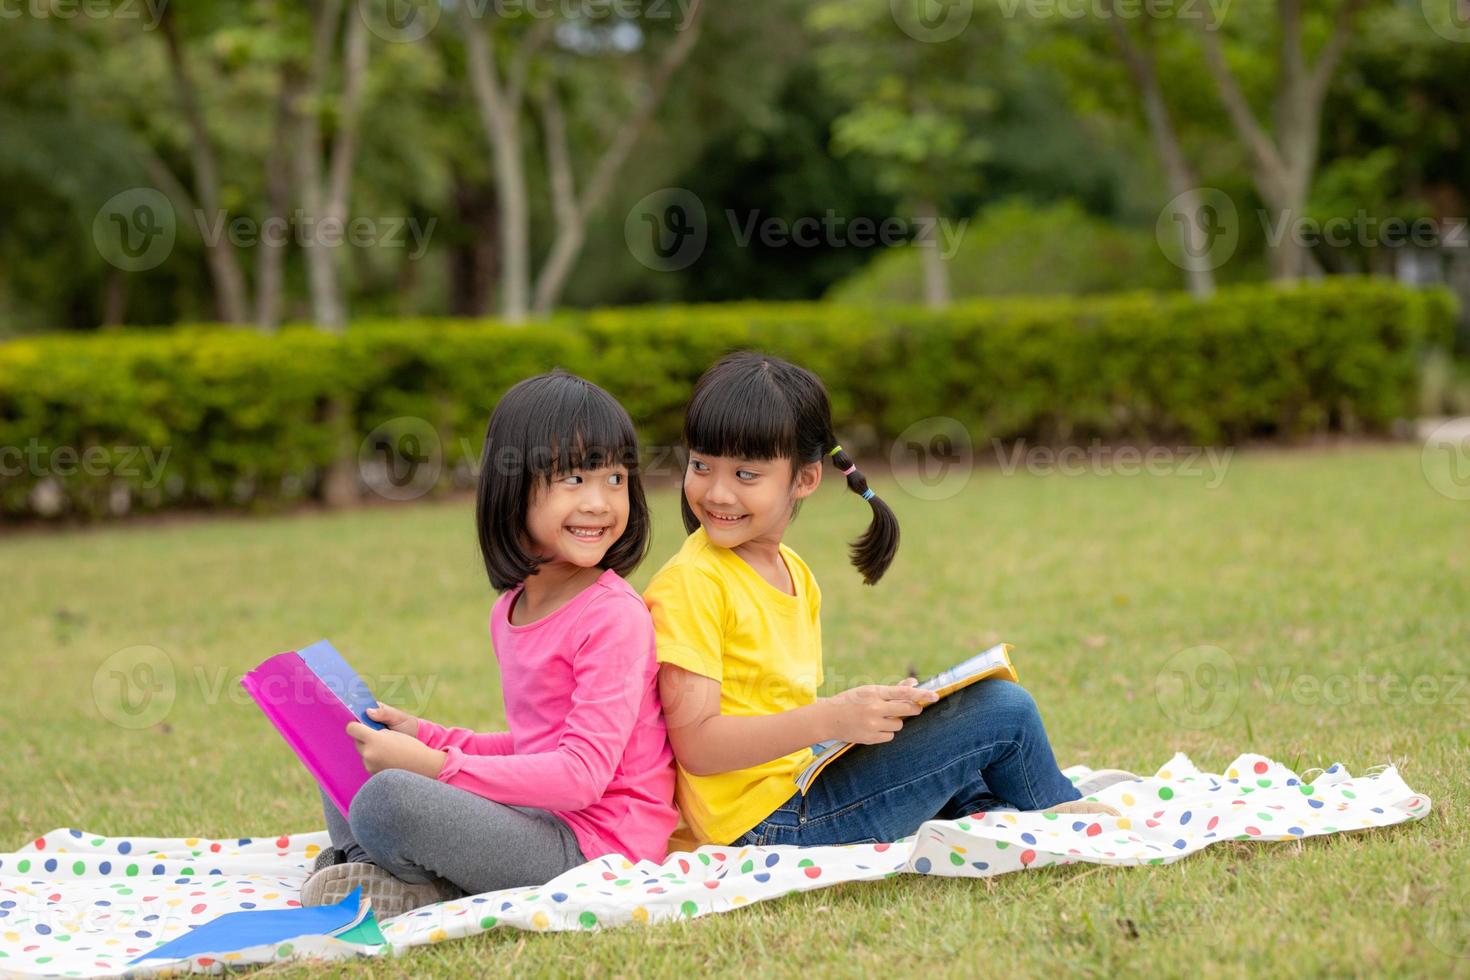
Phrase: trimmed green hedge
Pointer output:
(248, 419)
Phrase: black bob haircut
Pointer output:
(548, 426)
(754, 406)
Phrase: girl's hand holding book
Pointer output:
(399, 721)
(871, 714)
(389, 749)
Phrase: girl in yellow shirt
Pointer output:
(736, 617)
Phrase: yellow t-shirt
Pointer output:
(716, 616)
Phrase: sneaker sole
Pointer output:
(389, 896)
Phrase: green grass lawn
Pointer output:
(1337, 568)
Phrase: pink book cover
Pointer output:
(312, 720)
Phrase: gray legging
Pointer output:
(418, 828)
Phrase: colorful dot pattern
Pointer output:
(76, 904)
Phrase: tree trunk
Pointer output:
(224, 265)
(936, 270)
(1183, 182)
(499, 110)
(325, 201)
(115, 298)
(407, 289)
(1284, 167)
(270, 272)
(573, 211)
(321, 271)
(473, 258)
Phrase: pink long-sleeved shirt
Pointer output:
(587, 739)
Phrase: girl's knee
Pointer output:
(1005, 698)
(383, 801)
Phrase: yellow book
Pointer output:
(995, 662)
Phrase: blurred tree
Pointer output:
(1013, 248)
(1283, 156)
(324, 194)
(1138, 69)
(791, 113)
(58, 162)
(1138, 54)
(1394, 144)
(601, 60)
(232, 304)
(917, 108)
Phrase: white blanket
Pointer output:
(76, 903)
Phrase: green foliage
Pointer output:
(1016, 249)
(245, 418)
(915, 108)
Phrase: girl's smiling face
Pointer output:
(740, 500)
(576, 517)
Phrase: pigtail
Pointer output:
(873, 552)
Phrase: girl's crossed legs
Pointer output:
(981, 748)
(417, 829)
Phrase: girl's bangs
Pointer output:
(587, 432)
(740, 414)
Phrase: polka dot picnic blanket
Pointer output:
(81, 904)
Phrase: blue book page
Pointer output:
(326, 663)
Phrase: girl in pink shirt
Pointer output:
(585, 768)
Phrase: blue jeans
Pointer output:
(981, 748)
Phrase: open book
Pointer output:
(310, 696)
(995, 662)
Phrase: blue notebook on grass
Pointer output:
(350, 920)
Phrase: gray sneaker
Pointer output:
(328, 857)
(1101, 779)
(390, 896)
